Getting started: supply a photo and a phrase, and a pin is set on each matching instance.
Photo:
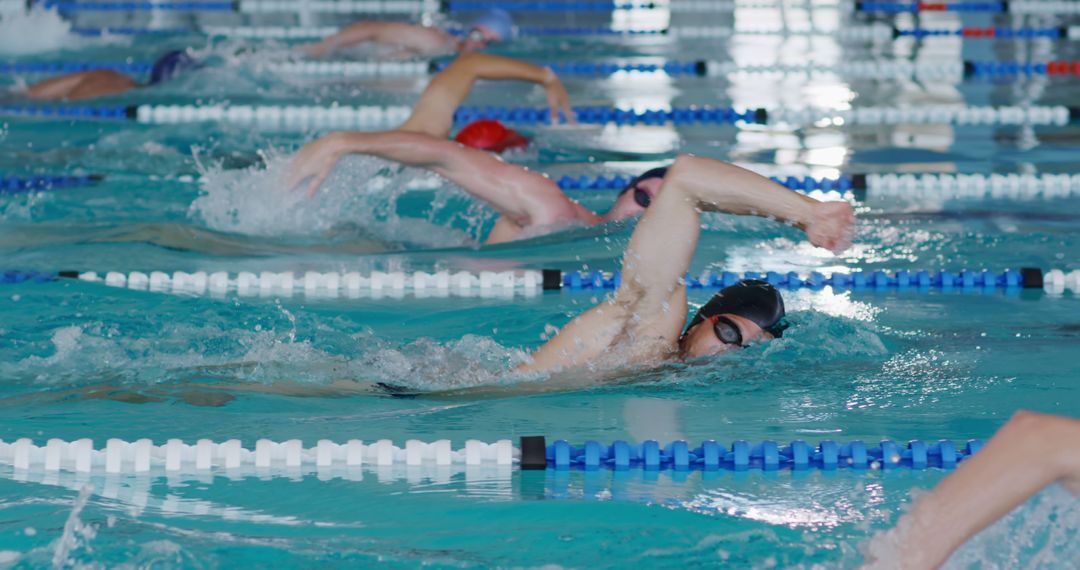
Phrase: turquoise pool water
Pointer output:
(83, 360)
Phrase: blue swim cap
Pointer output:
(498, 21)
(170, 65)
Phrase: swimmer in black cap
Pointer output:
(102, 82)
(645, 321)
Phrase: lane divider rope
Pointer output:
(344, 117)
(533, 453)
(20, 184)
(352, 284)
(865, 69)
(852, 33)
(862, 186)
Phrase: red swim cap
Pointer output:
(490, 135)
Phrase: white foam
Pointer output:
(360, 196)
(35, 31)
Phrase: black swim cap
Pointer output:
(659, 172)
(751, 299)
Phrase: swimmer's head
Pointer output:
(170, 65)
(735, 317)
(491, 136)
(495, 25)
(637, 195)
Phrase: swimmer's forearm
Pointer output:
(434, 111)
(1030, 452)
(494, 67)
(351, 35)
(724, 187)
(410, 149)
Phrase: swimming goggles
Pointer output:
(641, 197)
(726, 330)
(477, 36)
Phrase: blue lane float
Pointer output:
(602, 115)
(1025, 278)
(897, 7)
(741, 455)
(68, 112)
(803, 184)
(20, 184)
(74, 67)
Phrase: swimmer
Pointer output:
(493, 26)
(530, 203)
(645, 322)
(102, 82)
(1027, 454)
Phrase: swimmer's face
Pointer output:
(478, 39)
(633, 202)
(702, 339)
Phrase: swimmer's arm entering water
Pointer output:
(1028, 453)
(525, 197)
(650, 304)
(434, 112)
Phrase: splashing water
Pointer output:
(265, 355)
(359, 197)
(76, 532)
(35, 31)
(1041, 533)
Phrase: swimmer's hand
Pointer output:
(830, 225)
(316, 49)
(558, 99)
(315, 161)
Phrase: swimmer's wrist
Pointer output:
(549, 77)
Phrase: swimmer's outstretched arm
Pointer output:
(415, 38)
(434, 112)
(650, 304)
(81, 85)
(665, 239)
(525, 197)
(1028, 453)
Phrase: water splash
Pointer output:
(1041, 533)
(76, 532)
(357, 201)
(80, 356)
(35, 31)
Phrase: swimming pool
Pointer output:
(81, 359)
